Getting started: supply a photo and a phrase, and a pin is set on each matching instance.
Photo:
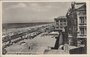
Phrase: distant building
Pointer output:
(76, 22)
(60, 23)
(60, 26)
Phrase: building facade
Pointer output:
(60, 23)
(77, 23)
(82, 24)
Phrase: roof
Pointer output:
(83, 7)
(79, 5)
(61, 17)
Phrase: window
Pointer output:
(64, 23)
(82, 20)
(61, 20)
(57, 23)
(57, 27)
(61, 24)
(64, 20)
(83, 31)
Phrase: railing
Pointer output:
(82, 24)
(82, 36)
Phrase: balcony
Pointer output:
(82, 36)
(82, 24)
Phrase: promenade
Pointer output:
(33, 46)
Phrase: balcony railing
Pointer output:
(81, 36)
(82, 24)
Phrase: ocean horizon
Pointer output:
(22, 25)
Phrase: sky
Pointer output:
(23, 12)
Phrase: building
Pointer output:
(82, 24)
(77, 25)
(60, 26)
(60, 23)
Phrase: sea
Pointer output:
(22, 25)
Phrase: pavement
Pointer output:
(36, 45)
(41, 44)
